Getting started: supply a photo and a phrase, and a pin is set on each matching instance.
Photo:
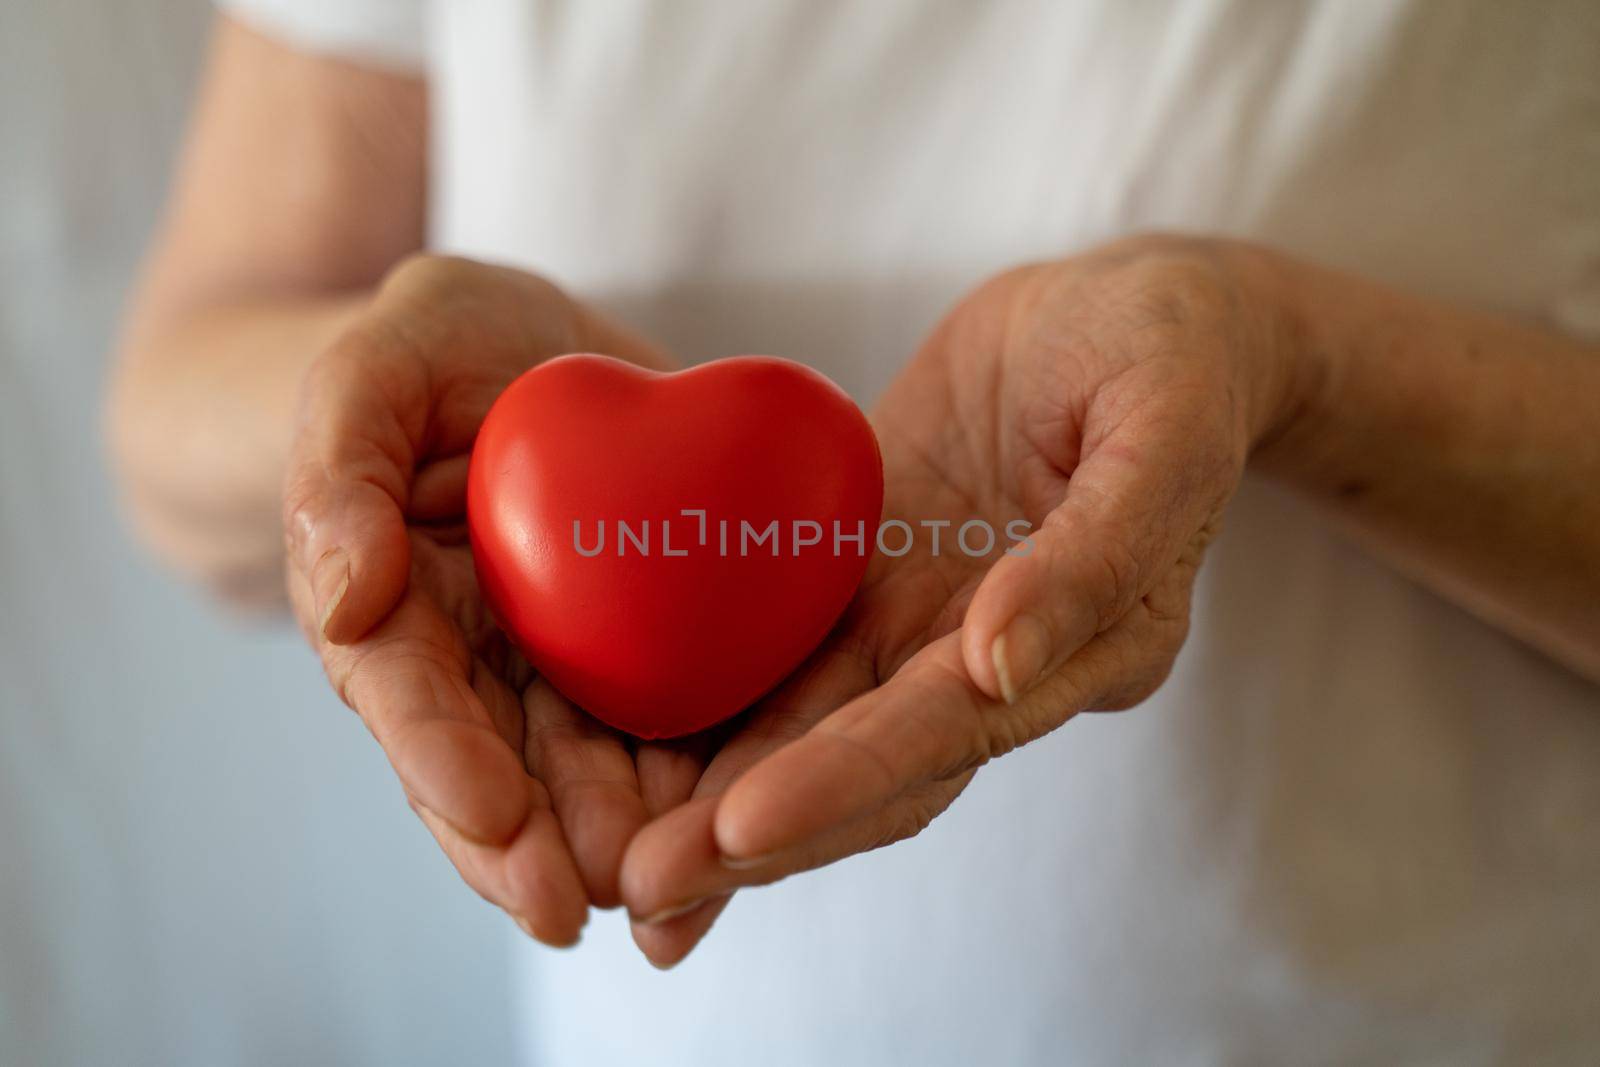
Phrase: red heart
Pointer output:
(662, 644)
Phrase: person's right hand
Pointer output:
(532, 800)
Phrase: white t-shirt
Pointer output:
(1356, 826)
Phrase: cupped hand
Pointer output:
(1109, 403)
(531, 800)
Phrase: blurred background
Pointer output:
(185, 810)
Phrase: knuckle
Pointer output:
(1182, 263)
(967, 761)
(430, 271)
(1010, 281)
(1137, 688)
(1169, 603)
(342, 367)
(1168, 283)
(970, 738)
(446, 280)
(411, 660)
(862, 752)
(1116, 577)
(302, 507)
(1006, 733)
(340, 676)
(908, 818)
(1142, 664)
(429, 300)
(346, 669)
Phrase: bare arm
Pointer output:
(302, 182)
(1113, 401)
(1461, 447)
(297, 386)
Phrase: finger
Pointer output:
(1146, 486)
(679, 840)
(439, 490)
(881, 768)
(532, 877)
(661, 868)
(819, 800)
(928, 726)
(363, 413)
(687, 871)
(411, 380)
(412, 682)
(670, 770)
(839, 672)
(438, 739)
(927, 722)
(675, 777)
(667, 941)
(591, 778)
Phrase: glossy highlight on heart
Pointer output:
(666, 547)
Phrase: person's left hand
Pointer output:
(1110, 401)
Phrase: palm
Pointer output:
(1100, 400)
(992, 422)
(532, 801)
(600, 787)
(943, 463)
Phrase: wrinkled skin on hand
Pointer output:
(532, 800)
(1110, 401)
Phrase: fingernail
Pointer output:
(1019, 655)
(745, 863)
(668, 914)
(330, 578)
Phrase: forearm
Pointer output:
(302, 182)
(1461, 447)
(200, 421)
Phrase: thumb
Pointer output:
(419, 371)
(348, 480)
(348, 539)
(1036, 607)
(1123, 523)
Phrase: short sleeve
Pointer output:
(390, 33)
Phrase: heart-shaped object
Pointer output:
(665, 548)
